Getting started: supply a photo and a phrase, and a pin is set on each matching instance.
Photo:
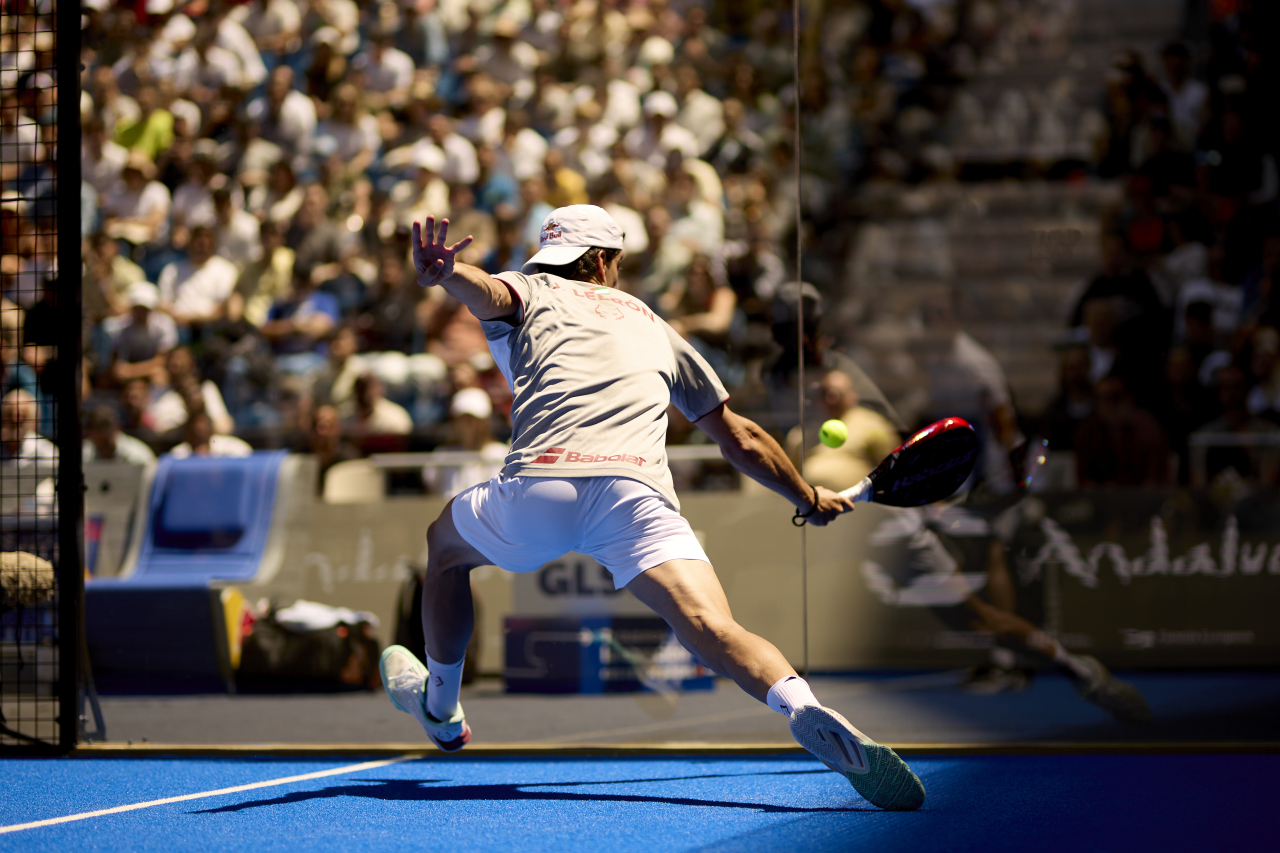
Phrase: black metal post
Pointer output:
(70, 566)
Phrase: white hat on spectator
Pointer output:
(326, 35)
(96, 5)
(429, 157)
(143, 294)
(660, 103)
(159, 7)
(568, 232)
(471, 401)
(656, 50)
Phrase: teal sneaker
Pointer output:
(876, 772)
(405, 680)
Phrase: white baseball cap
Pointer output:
(429, 157)
(144, 294)
(660, 103)
(471, 401)
(568, 232)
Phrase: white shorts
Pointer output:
(523, 523)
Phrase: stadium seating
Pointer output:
(162, 624)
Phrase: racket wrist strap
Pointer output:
(799, 519)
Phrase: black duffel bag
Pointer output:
(276, 658)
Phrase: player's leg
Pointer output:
(1094, 682)
(430, 693)
(688, 595)
(448, 612)
(1003, 672)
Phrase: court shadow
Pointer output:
(430, 790)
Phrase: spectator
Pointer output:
(461, 165)
(20, 443)
(425, 194)
(350, 136)
(297, 324)
(150, 130)
(199, 439)
(264, 280)
(274, 25)
(1120, 444)
(371, 414)
(104, 442)
(287, 116)
(1264, 397)
(136, 210)
(388, 72)
(136, 420)
(1188, 98)
(781, 372)
(660, 134)
(701, 304)
(280, 198)
(1074, 402)
(182, 391)
(326, 443)
(239, 235)
(1186, 408)
(470, 414)
(871, 437)
(193, 200)
(334, 383)
(194, 291)
(101, 160)
(390, 319)
(1259, 464)
(108, 277)
(142, 344)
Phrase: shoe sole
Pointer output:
(421, 714)
(876, 772)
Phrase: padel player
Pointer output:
(592, 372)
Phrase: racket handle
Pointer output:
(860, 492)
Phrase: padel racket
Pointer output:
(928, 467)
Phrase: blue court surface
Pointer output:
(606, 804)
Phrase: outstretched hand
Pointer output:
(433, 261)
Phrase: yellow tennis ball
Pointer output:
(833, 433)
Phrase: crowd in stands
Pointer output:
(1174, 342)
(251, 172)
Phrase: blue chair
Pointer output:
(161, 626)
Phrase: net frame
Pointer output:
(41, 519)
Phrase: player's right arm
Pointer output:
(436, 264)
(754, 452)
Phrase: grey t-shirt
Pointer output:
(592, 371)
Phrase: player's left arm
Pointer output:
(437, 264)
(755, 453)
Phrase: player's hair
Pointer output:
(584, 268)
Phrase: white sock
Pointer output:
(790, 694)
(442, 691)
(1071, 664)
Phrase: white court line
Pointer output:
(320, 774)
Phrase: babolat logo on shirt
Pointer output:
(559, 454)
